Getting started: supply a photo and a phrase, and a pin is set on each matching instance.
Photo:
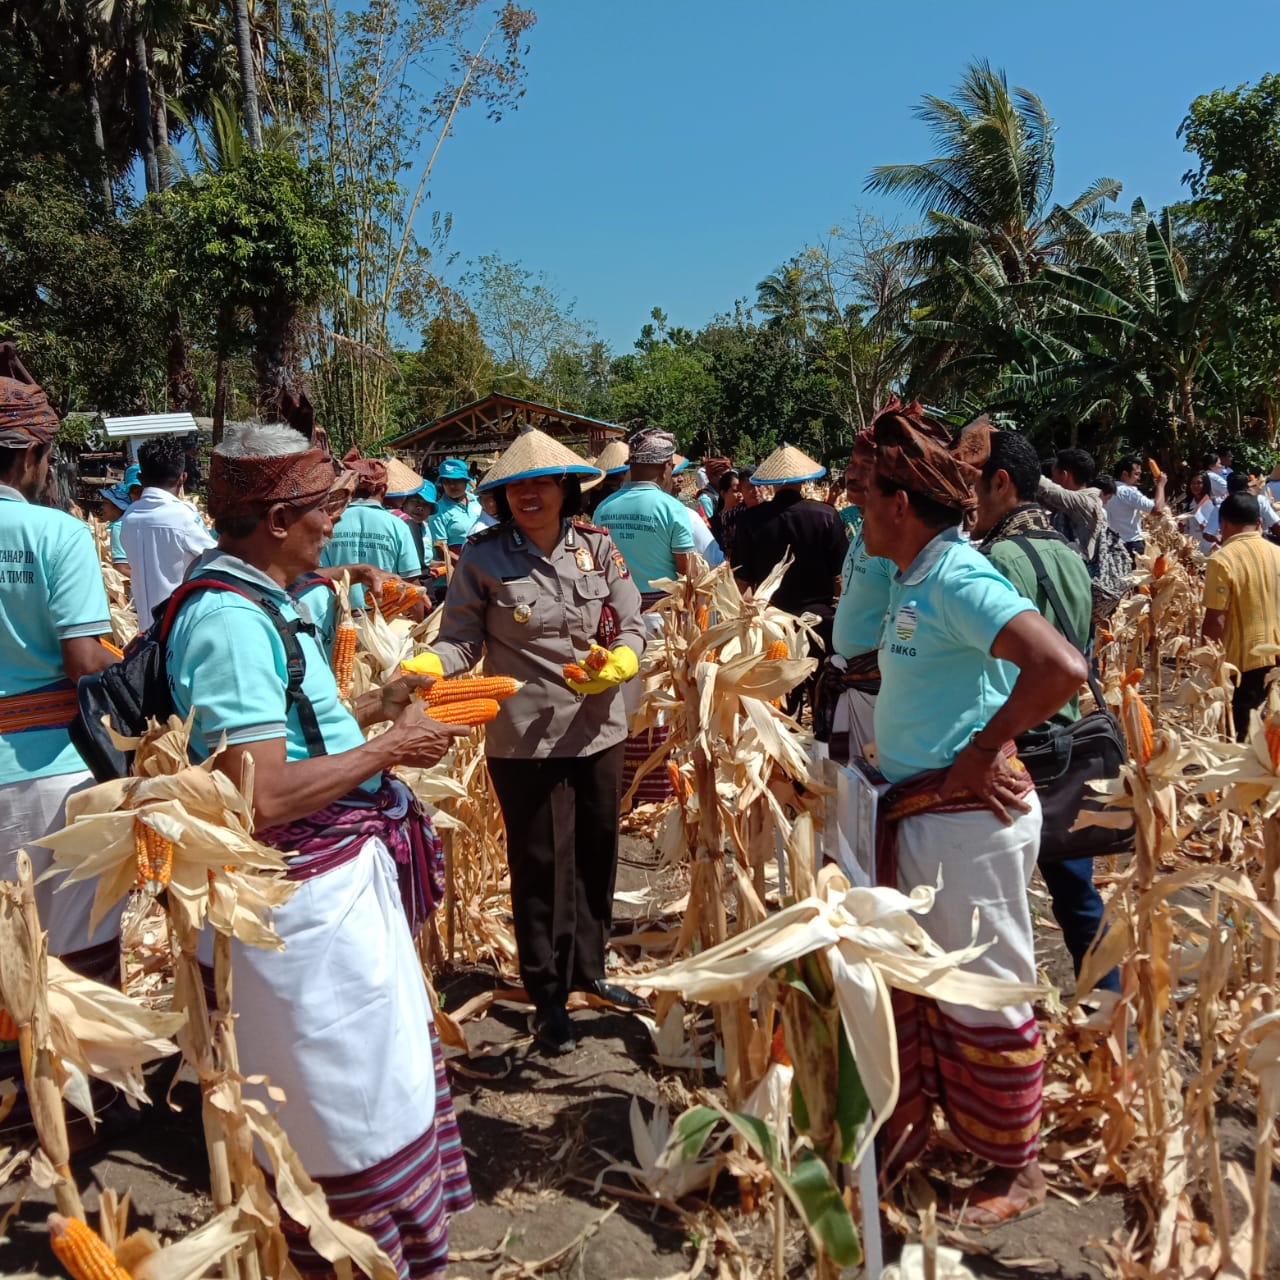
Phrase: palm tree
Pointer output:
(791, 300)
(986, 199)
(248, 74)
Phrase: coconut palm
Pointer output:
(790, 300)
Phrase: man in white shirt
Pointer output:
(1126, 509)
(161, 534)
(1238, 482)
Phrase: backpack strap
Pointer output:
(1054, 596)
(295, 659)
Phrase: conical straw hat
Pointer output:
(679, 463)
(402, 480)
(536, 454)
(614, 458)
(788, 466)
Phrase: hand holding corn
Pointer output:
(603, 669)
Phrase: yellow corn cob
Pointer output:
(154, 854)
(8, 1028)
(1273, 748)
(82, 1250)
(576, 672)
(344, 655)
(1155, 470)
(778, 649)
(473, 712)
(467, 688)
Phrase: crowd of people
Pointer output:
(951, 583)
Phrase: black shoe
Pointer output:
(553, 1029)
(620, 997)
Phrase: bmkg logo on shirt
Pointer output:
(905, 622)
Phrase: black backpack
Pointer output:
(136, 689)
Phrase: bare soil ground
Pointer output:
(540, 1134)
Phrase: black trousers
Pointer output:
(1248, 697)
(561, 815)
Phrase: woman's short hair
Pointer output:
(572, 487)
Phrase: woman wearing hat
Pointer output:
(413, 499)
(537, 591)
(456, 510)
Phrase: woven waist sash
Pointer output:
(52, 707)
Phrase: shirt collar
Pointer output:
(1244, 533)
(642, 484)
(215, 560)
(9, 494)
(928, 557)
(161, 496)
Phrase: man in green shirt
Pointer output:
(1007, 510)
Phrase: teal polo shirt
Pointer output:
(649, 527)
(50, 590)
(368, 533)
(939, 683)
(117, 547)
(225, 659)
(451, 521)
(864, 596)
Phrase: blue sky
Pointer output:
(672, 152)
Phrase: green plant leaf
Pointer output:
(692, 1129)
(852, 1104)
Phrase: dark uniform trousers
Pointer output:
(561, 815)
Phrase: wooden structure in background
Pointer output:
(488, 426)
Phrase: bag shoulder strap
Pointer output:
(295, 659)
(1050, 589)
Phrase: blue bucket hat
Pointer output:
(132, 476)
(428, 493)
(117, 494)
(453, 469)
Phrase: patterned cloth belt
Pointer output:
(861, 673)
(334, 836)
(51, 707)
(919, 795)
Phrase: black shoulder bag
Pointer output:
(1065, 760)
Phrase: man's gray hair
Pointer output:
(261, 440)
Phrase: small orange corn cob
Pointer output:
(1160, 566)
(1134, 678)
(678, 789)
(701, 617)
(576, 672)
(8, 1028)
(154, 854)
(473, 712)
(1138, 727)
(82, 1250)
(597, 659)
(466, 688)
(778, 649)
(1155, 469)
(344, 655)
(1105, 636)
(1273, 749)
(395, 596)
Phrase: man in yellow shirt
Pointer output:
(1242, 602)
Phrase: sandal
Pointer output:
(999, 1209)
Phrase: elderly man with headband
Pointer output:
(966, 664)
(340, 1018)
(53, 611)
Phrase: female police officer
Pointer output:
(531, 594)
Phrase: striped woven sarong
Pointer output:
(985, 1070)
(655, 786)
(405, 1201)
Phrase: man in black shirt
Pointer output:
(813, 533)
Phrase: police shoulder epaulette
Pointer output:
(485, 535)
(586, 527)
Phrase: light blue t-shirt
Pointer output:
(117, 547)
(939, 683)
(649, 527)
(368, 533)
(50, 590)
(864, 596)
(451, 522)
(225, 658)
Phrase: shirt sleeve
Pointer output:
(979, 604)
(77, 598)
(1217, 583)
(461, 639)
(117, 547)
(681, 532)
(226, 663)
(407, 563)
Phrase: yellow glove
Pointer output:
(425, 663)
(621, 664)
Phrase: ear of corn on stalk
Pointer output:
(154, 854)
(776, 651)
(474, 711)
(8, 1028)
(82, 1250)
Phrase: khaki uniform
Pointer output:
(528, 614)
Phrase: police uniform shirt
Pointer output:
(528, 614)
(815, 536)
